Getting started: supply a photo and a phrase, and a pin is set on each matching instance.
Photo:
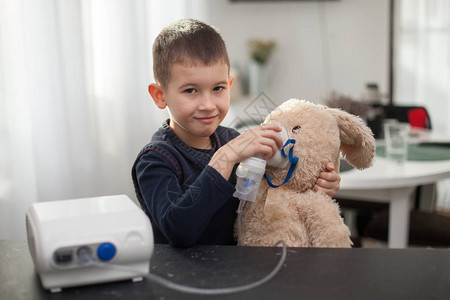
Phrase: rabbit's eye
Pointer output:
(296, 129)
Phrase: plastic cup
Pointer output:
(396, 138)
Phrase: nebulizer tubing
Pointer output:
(240, 212)
(241, 206)
(86, 256)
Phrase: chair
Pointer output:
(427, 229)
(416, 116)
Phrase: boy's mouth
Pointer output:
(207, 120)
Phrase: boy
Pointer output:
(183, 177)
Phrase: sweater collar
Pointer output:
(197, 152)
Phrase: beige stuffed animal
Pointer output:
(294, 212)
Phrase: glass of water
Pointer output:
(396, 138)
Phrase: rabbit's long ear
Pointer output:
(357, 141)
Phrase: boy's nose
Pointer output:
(207, 103)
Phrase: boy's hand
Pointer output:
(263, 141)
(328, 181)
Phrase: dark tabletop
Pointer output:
(307, 274)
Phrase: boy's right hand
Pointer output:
(263, 141)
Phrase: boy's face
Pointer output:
(198, 99)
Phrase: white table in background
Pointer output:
(388, 181)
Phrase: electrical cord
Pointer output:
(86, 257)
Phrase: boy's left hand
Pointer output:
(328, 181)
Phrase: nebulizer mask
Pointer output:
(251, 171)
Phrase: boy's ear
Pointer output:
(231, 80)
(156, 92)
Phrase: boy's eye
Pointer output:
(218, 88)
(189, 91)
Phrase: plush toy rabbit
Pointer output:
(293, 212)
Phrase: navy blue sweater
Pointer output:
(187, 201)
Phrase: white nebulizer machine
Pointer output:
(251, 171)
(64, 237)
(102, 239)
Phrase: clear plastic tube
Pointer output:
(87, 258)
(241, 206)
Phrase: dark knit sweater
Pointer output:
(187, 201)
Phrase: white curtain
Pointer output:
(74, 107)
(422, 65)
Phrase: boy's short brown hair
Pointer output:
(186, 41)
